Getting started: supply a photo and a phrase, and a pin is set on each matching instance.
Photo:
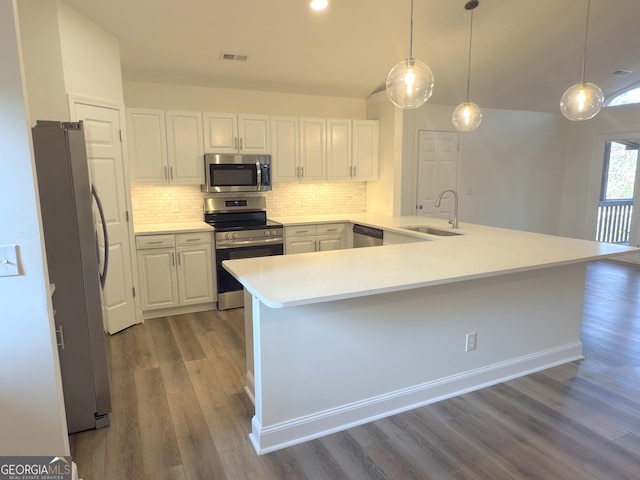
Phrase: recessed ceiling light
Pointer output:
(319, 4)
(622, 73)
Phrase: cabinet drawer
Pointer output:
(196, 238)
(155, 241)
(331, 228)
(300, 230)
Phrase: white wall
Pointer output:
(384, 195)
(583, 166)
(512, 164)
(90, 57)
(42, 54)
(185, 97)
(31, 402)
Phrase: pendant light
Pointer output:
(467, 116)
(583, 100)
(410, 82)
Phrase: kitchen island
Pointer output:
(340, 338)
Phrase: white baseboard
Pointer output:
(285, 434)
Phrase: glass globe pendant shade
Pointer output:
(466, 117)
(581, 101)
(410, 83)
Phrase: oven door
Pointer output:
(230, 291)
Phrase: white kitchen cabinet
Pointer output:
(236, 133)
(185, 147)
(315, 238)
(147, 140)
(352, 150)
(165, 147)
(298, 149)
(157, 271)
(195, 269)
(176, 270)
(313, 149)
(285, 149)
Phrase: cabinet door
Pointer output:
(285, 149)
(146, 137)
(331, 242)
(185, 150)
(300, 245)
(313, 149)
(195, 274)
(220, 132)
(365, 150)
(339, 150)
(253, 132)
(158, 280)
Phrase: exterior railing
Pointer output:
(614, 221)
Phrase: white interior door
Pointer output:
(437, 170)
(102, 126)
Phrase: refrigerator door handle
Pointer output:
(103, 274)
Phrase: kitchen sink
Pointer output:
(432, 231)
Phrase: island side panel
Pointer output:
(325, 367)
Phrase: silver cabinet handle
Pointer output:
(173, 258)
(156, 243)
(179, 261)
(350, 171)
(354, 171)
(302, 170)
(240, 143)
(171, 173)
(166, 173)
(193, 239)
(332, 229)
(235, 142)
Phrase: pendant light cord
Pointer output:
(586, 36)
(411, 32)
(469, 65)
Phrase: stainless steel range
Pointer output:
(242, 230)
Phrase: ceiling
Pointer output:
(525, 53)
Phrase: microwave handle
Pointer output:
(259, 175)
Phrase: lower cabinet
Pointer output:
(315, 238)
(175, 270)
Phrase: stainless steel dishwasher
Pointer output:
(366, 236)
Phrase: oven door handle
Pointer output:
(259, 175)
(225, 244)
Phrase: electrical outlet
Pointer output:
(472, 341)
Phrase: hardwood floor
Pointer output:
(180, 412)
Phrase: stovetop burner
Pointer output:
(233, 214)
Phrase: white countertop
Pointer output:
(180, 227)
(290, 280)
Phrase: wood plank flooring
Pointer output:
(180, 412)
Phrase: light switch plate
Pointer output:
(9, 260)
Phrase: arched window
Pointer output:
(625, 98)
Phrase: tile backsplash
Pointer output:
(183, 203)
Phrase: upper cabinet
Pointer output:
(165, 146)
(352, 150)
(236, 133)
(298, 149)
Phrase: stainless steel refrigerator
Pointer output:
(76, 268)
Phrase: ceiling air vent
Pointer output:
(234, 56)
(622, 73)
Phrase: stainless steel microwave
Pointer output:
(228, 173)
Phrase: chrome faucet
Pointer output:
(454, 220)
